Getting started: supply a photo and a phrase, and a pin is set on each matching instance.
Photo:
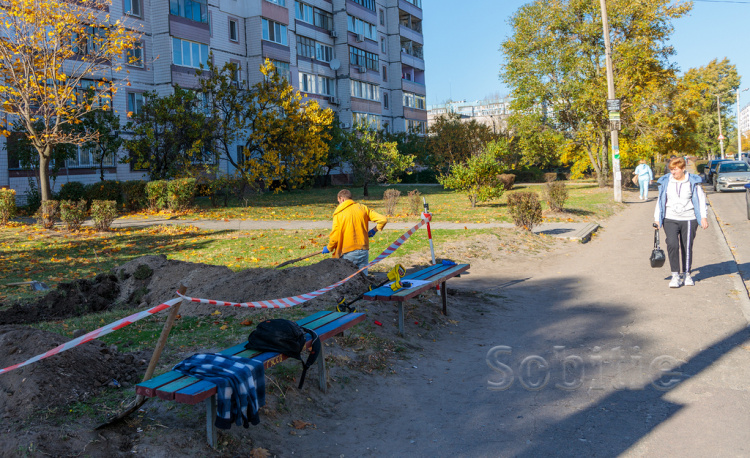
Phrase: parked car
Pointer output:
(731, 175)
(710, 169)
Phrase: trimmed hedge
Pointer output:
(73, 213)
(525, 209)
(103, 213)
(7, 205)
(134, 195)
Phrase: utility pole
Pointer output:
(613, 107)
(721, 136)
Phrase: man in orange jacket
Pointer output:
(350, 238)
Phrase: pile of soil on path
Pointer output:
(73, 375)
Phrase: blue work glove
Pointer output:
(372, 232)
(325, 250)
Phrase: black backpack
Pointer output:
(285, 337)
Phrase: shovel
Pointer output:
(292, 261)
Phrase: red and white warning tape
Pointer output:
(296, 300)
(275, 303)
(119, 324)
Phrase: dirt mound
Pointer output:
(74, 375)
(221, 283)
(70, 299)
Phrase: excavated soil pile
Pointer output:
(74, 375)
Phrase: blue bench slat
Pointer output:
(434, 274)
(424, 272)
(148, 388)
(195, 393)
(439, 277)
(167, 391)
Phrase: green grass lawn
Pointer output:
(586, 202)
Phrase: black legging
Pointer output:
(678, 232)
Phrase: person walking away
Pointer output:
(350, 238)
(645, 176)
(679, 207)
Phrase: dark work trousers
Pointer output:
(680, 236)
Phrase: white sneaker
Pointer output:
(689, 280)
(676, 281)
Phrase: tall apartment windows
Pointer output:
(188, 53)
(417, 3)
(383, 46)
(305, 47)
(323, 52)
(273, 31)
(234, 33)
(90, 42)
(133, 7)
(303, 12)
(134, 55)
(89, 157)
(316, 84)
(385, 73)
(369, 4)
(135, 102)
(282, 69)
(367, 119)
(359, 26)
(360, 58)
(363, 90)
(196, 10)
(323, 19)
(385, 99)
(278, 2)
(414, 100)
(381, 14)
(413, 125)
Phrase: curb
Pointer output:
(582, 235)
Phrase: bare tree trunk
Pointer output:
(44, 187)
(365, 192)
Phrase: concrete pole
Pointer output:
(721, 136)
(614, 134)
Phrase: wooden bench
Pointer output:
(434, 275)
(174, 386)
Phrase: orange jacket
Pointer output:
(350, 226)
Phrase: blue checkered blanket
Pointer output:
(240, 386)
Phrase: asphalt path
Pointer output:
(731, 212)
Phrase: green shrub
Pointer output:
(507, 180)
(104, 190)
(134, 195)
(525, 209)
(47, 214)
(103, 212)
(415, 203)
(73, 213)
(181, 193)
(7, 205)
(33, 197)
(556, 193)
(157, 194)
(477, 177)
(73, 190)
(529, 175)
(550, 177)
(390, 200)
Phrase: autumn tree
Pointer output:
(452, 141)
(555, 68)
(102, 127)
(477, 177)
(170, 134)
(47, 49)
(374, 160)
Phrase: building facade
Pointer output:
(744, 120)
(493, 113)
(361, 58)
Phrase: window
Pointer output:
(383, 46)
(369, 4)
(282, 69)
(415, 126)
(189, 54)
(240, 154)
(305, 47)
(135, 102)
(316, 84)
(196, 10)
(358, 57)
(385, 73)
(234, 34)
(91, 42)
(382, 16)
(323, 19)
(88, 157)
(417, 3)
(359, 26)
(323, 52)
(134, 56)
(86, 90)
(133, 7)
(385, 99)
(273, 31)
(414, 100)
(363, 90)
(278, 2)
(237, 74)
(303, 12)
(367, 119)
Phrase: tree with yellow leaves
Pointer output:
(54, 61)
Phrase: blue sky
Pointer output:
(462, 44)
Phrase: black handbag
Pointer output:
(657, 256)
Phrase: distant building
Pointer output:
(362, 58)
(744, 120)
(492, 113)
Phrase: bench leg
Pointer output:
(444, 295)
(401, 318)
(210, 421)
(322, 375)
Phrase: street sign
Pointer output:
(614, 104)
(721, 138)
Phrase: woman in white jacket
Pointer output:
(645, 176)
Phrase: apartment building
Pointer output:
(744, 120)
(361, 58)
(493, 112)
